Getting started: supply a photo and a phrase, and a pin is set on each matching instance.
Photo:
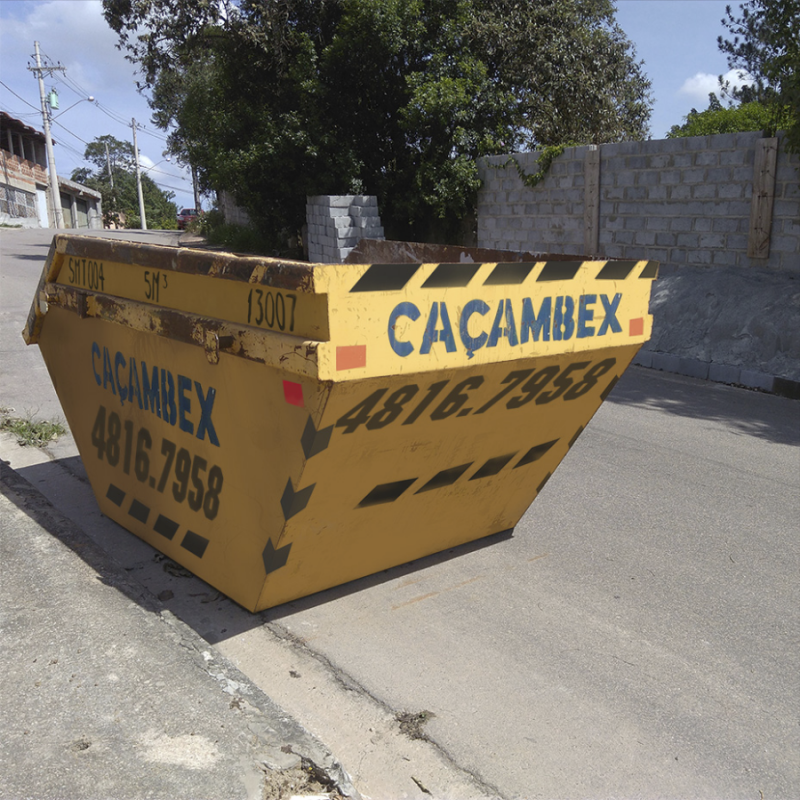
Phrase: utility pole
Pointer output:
(55, 194)
(110, 173)
(195, 189)
(113, 214)
(138, 177)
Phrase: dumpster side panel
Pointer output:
(415, 464)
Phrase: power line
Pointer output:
(19, 98)
(79, 90)
(60, 125)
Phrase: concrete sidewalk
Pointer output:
(105, 694)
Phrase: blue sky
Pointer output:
(677, 40)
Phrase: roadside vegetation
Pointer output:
(274, 101)
(30, 432)
(734, 118)
(235, 238)
(113, 174)
(764, 46)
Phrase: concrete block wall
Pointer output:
(336, 224)
(547, 218)
(679, 201)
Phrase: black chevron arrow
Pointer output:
(275, 559)
(315, 441)
(294, 502)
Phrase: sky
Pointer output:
(676, 39)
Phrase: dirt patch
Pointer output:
(411, 723)
(303, 780)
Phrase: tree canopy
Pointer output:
(273, 100)
(745, 116)
(121, 202)
(765, 44)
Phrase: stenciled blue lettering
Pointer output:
(472, 343)
(585, 315)
(530, 323)
(108, 371)
(504, 313)
(119, 361)
(169, 411)
(96, 352)
(134, 389)
(563, 318)
(206, 426)
(610, 308)
(152, 399)
(433, 334)
(402, 310)
(184, 404)
(558, 318)
(165, 394)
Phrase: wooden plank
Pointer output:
(591, 202)
(763, 198)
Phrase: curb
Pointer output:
(719, 373)
(283, 742)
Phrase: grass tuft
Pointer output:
(30, 432)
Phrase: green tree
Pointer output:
(273, 100)
(121, 203)
(765, 44)
(746, 116)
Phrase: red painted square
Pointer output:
(351, 357)
(293, 392)
(637, 326)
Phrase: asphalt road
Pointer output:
(637, 636)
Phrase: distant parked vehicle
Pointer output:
(186, 216)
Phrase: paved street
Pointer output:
(637, 636)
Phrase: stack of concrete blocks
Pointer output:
(336, 224)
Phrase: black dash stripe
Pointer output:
(542, 484)
(447, 477)
(449, 276)
(385, 277)
(575, 437)
(607, 390)
(139, 511)
(492, 466)
(616, 270)
(166, 527)
(535, 453)
(386, 493)
(559, 271)
(194, 543)
(115, 494)
(509, 274)
(650, 270)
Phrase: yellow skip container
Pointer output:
(280, 427)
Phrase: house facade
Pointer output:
(24, 188)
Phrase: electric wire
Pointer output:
(20, 98)
(80, 91)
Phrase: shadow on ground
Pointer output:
(157, 583)
(750, 413)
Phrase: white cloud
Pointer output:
(698, 88)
